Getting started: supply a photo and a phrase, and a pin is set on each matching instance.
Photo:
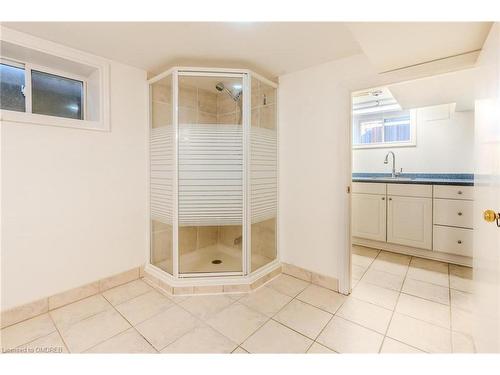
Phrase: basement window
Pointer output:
(42, 83)
(386, 129)
(24, 89)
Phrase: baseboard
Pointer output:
(328, 282)
(30, 310)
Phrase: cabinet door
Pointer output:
(369, 216)
(409, 221)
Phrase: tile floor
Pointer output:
(399, 304)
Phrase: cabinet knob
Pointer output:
(460, 192)
(383, 198)
(390, 199)
(459, 242)
(459, 214)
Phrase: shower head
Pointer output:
(221, 87)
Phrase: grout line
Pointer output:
(59, 332)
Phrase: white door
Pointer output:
(487, 197)
(369, 216)
(413, 229)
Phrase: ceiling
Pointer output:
(270, 48)
(394, 45)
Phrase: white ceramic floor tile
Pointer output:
(428, 276)
(366, 314)
(206, 306)
(344, 336)
(420, 334)
(25, 332)
(367, 252)
(461, 278)
(462, 343)
(237, 322)
(462, 300)
(288, 285)
(462, 321)
(129, 341)
(392, 263)
(303, 318)
(274, 337)
(361, 261)
(429, 264)
(266, 300)
(357, 271)
(68, 315)
(93, 330)
(391, 346)
(384, 279)
(322, 298)
(428, 311)
(429, 291)
(382, 297)
(319, 349)
(202, 339)
(143, 307)
(127, 291)
(51, 343)
(166, 327)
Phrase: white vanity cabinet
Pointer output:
(453, 210)
(369, 211)
(409, 215)
(432, 221)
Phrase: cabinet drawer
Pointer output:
(410, 190)
(454, 192)
(368, 188)
(457, 213)
(453, 240)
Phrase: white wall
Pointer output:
(445, 144)
(314, 167)
(74, 202)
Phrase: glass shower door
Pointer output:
(210, 173)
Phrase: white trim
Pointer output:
(247, 222)
(175, 179)
(211, 280)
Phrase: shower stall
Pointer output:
(213, 173)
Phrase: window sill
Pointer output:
(31, 118)
(385, 145)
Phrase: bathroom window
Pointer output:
(389, 129)
(12, 84)
(48, 94)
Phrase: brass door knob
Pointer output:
(490, 216)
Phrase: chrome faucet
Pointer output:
(394, 174)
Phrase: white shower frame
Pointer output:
(212, 278)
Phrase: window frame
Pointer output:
(28, 94)
(410, 143)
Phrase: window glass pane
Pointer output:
(397, 129)
(11, 88)
(56, 96)
(371, 132)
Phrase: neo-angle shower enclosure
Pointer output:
(213, 175)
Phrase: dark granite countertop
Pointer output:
(460, 179)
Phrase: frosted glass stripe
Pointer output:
(210, 174)
(161, 173)
(263, 174)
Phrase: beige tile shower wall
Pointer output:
(264, 238)
(229, 235)
(194, 238)
(228, 111)
(263, 105)
(161, 94)
(161, 241)
(197, 106)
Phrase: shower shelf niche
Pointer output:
(213, 178)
